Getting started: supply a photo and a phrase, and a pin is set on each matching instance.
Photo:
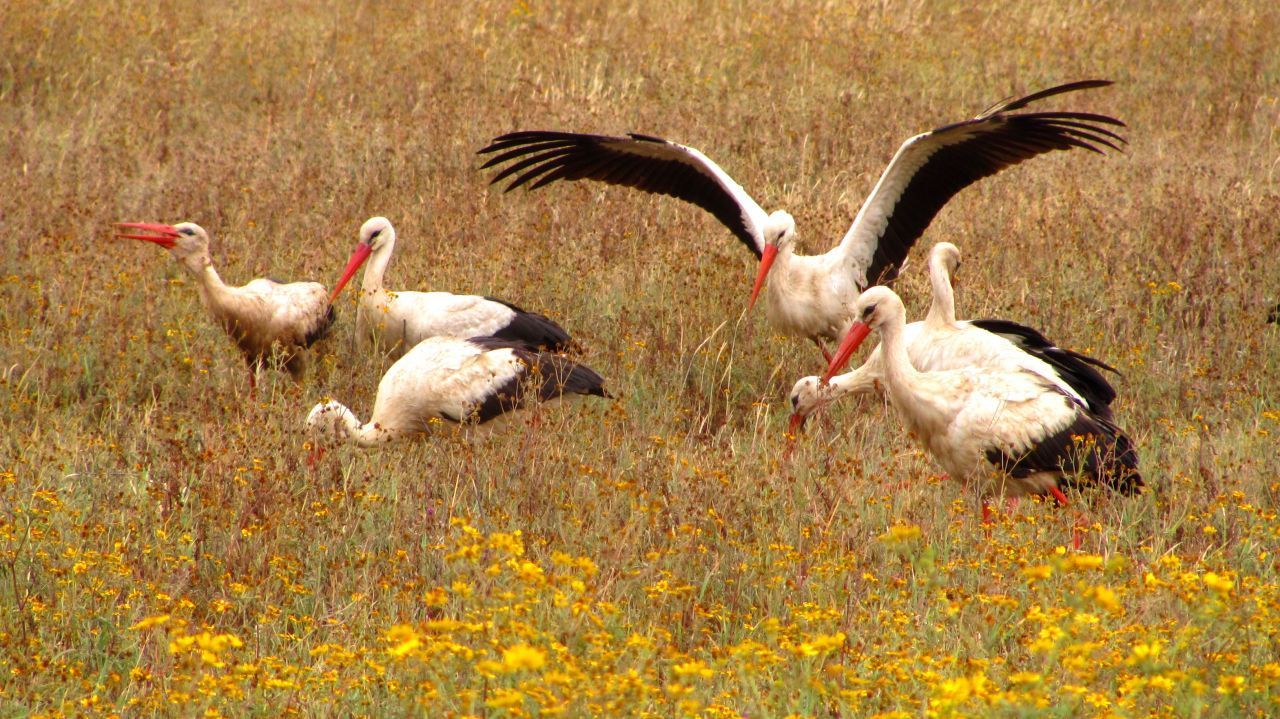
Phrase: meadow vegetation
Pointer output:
(165, 550)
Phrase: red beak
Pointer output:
(314, 456)
(857, 333)
(796, 425)
(166, 237)
(358, 256)
(766, 261)
(794, 428)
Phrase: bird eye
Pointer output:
(187, 231)
(867, 312)
(375, 234)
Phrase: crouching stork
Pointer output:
(455, 380)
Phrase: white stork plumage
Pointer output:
(396, 321)
(1006, 432)
(940, 342)
(810, 296)
(262, 317)
(455, 380)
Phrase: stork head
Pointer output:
(779, 233)
(873, 309)
(877, 307)
(375, 233)
(186, 241)
(809, 395)
(327, 426)
(944, 261)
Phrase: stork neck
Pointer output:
(942, 309)
(857, 381)
(362, 435)
(371, 435)
(377, 266)
(895, 363)
(213, 291)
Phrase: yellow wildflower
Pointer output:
(1219, 583)
(523, 656)
(900, 533)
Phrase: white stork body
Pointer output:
(396, 321)
(263, 316)
(810, 296)
(1006, 432)
(451, 379)
(940, 342)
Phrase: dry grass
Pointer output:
(164, 551)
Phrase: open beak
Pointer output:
(165, 237)
(766, 261)
(857, 333)
(358, 256)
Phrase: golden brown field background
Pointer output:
(164, 550)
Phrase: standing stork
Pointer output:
(940, 342)
(263, 316)
(1010, 432)
(810, 296)
(452, 379)
(397, 321)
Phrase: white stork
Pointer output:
(939, 342)
(397, 321)
(263, 316)
(451, 379)
(809, 296)
(1010, 432)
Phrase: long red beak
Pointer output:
(796, 425)
(358, 256)
(766, 261)
(166, 237)
(857, 333)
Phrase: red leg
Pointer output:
(1058, 495)
(1077, 537)
(826, 356)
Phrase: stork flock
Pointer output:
(1002, 409)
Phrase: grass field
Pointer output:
(164, 549)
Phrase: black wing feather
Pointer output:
(533, 330)
(546, 156)
(321, 328)
(550, 375)
(1092, 449)
(999, 140)
(1076, 369)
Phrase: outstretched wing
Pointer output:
(646, 163)
(929, 169)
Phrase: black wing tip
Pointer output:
(322, 328)
(1011, 103)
